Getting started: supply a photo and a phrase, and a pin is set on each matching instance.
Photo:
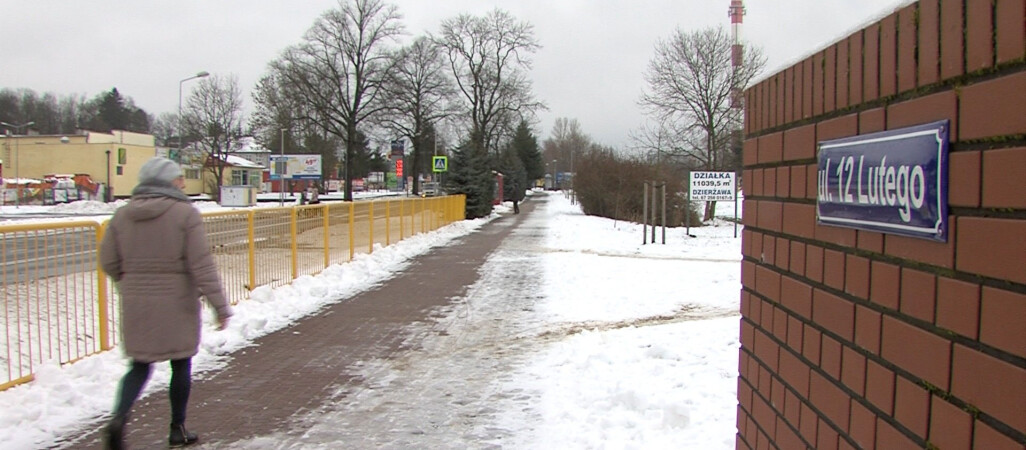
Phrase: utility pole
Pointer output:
(281, 173)
(201, 74)
(17, 156)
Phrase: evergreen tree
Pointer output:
(360, 157)
(365, 160)
(66, 115)
(526, 146)
(514, 175)
(470, 174)
(112, 111)
(10, 107)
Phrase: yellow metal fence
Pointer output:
(58, 305)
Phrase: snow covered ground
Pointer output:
(575, 336)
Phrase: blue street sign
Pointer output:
(894, 181)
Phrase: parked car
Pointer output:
(430, 189)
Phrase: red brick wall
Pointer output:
(859, 339)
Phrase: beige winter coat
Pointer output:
(156, 250)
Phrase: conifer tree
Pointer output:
(526, 146)
(514, 175)
(470, 174)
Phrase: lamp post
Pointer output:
(106, 189)
(573, 195)
(17, 157)
(555, 186)
(180, 83)
(281, 174)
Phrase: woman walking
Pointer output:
(155, 249)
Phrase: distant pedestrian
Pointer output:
(516, 193)
(314, 195)
(155, 249)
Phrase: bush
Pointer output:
(612, 186)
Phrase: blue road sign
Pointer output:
(893, 182)
(439, 164)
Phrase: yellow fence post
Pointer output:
(352, 228)
(295, 251)
(370, 227)
(251, 220)
(423, 226)
(325, 213)
(388, 222)
(101, 298)
(401, 218)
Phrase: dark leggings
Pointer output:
(134, 381)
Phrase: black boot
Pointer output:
(180, 437)
(114, 434)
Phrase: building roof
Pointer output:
(248, 144)
(238, 161)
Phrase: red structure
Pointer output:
(737, 15)
(857, 339)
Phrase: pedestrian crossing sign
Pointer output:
(440, 164)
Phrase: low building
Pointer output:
(248, 148)
(238, 171)
(112, 159)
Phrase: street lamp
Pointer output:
(281, 173)
(180, 83)
(17, 157)
(554, 168)
(573, 197)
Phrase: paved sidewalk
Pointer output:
(297, 369)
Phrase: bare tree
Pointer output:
(489, 57)
(419, 94)
(165, 127)
(276, 122)
(213, 121)
(337, 72)
(69, 108)
(566, 143)
(274, 117)
(691, 87)
(670, 142)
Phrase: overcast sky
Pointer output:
(590, 66)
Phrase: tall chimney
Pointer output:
(737, 15)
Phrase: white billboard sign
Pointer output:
(713, 186)
(296, 167)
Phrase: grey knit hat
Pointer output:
(159, 170)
